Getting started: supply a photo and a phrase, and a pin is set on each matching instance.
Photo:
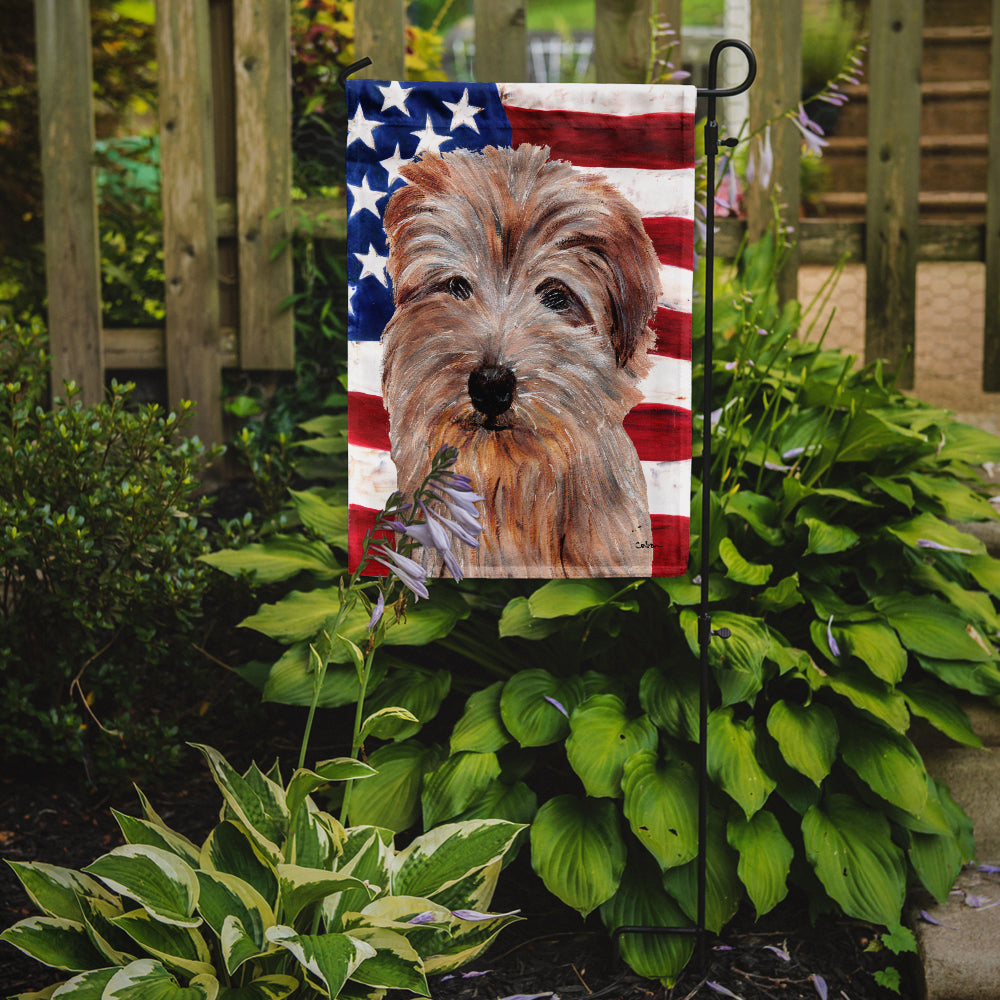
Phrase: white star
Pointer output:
(463, 113)
(392, 165)
(373, 264)
(360, 128)
(395, 97)
(428, 139)
(364, 197)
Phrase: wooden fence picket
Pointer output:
(991, 331)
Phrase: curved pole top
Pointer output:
(713, 69)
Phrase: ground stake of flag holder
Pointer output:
(705, 630)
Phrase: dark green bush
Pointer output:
(99, 580)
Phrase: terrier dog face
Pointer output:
(523, 290)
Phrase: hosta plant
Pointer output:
(279, 900)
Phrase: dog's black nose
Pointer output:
(491, 389)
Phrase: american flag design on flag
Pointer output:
(640, 139)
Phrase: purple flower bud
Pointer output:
(820, 983)
(427, 917)
(558, 705)
(377, 611)
(410, 572)
(927, 543)
(834, 648)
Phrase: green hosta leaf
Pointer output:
(415, 689)
(291, 680)
(225, 897)
(758, 511)
(827, 539)
(893, 488)
(602, 738)
(180, 948)
(864, 692)
(279, 558)
(671, 700)
(928, 528)
(975, 605)
(807, 736)
(937, 859)
(850, 848)
(443, 856)
(301, 887)
(528, 710)
(723, 889)
(965, 443)
(517, 620)
(765, 858)
(330, 959)
(260, 809)
(456, 784)
(738, 661)
(870, 435)
(732, 760)
(141, 831)
(304, 782)
(327, 520)
(516, 803)
(661, 798)
(578, 851)
(783, 595)
(147, 979)
(54, 941)
(641, 901)
(957, 501)
(941, 709)
(391, 798)
(395, 964)
(56, 891)
(159, 881)
(276, 987)
(481, 728)
(230, 849)
(876, 646)
(986, 571)
(559, 598)
(738, 569)
(976, 678)
(931, 628)
(888, 763)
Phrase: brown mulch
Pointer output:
(551, 952)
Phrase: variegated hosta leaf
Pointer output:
(468, 939)
(147, 979)
(300, 887)
(230, 849)
(56, 891)
(177, 947)
(315, 838)
(807, 736)
(275, 987)
(395, 964)
(256, 801)
(224, 898)
(54, 941)
(158, 880)
(304, 782)
(141, 831)
(765, 858)
(602, 737)
(642, 902)
(578, 851)
(441, 857)
(732, 760)
(116, 946)
(481, 727)
(851, 849)
(367, 853)
(86, 986)
(475, 891)
(661, 799)
(329, 959)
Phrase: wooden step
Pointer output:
(947, 162)
(945, 12)
(957, 206)
(956, 53)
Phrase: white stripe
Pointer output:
(602, 99)
(675, 288)
(668, 487)
(654, 193)
(371, 476)
(668, 383)
(364, 366)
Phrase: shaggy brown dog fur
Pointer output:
(523, 290)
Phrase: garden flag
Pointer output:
(520, 281)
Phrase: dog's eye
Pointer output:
(555, 296)
(459, 287)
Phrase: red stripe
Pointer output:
(659, 433)
(673, 239)
(648, 142)
(671, 534)
(361, 520)
(673, 334)
(367, 421)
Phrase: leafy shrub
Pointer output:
(279, 899)
(99, 539)
(854, 602)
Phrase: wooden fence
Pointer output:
(226, 159)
